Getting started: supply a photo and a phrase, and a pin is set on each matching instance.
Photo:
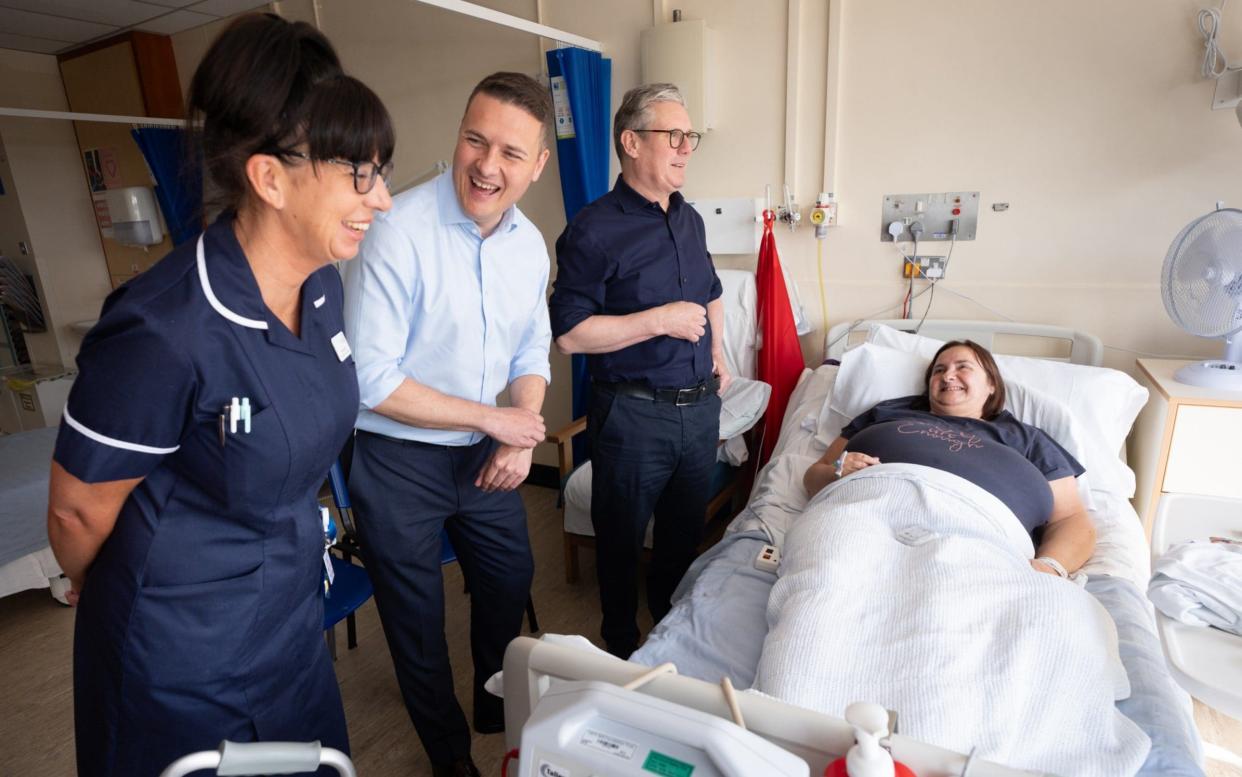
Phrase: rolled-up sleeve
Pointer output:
(531, 355)
(579, 290)
(717, 288)
(131, 403)
(379, 300)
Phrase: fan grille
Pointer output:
(1202, 275)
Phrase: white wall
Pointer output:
(50, 185)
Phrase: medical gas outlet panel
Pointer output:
(938, 216)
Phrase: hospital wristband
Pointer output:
(838, 467)
(1054, 565)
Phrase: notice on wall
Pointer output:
(111, 170)
(102, 214)
(94, 170)
(560, 104)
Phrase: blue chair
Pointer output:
(351, 587)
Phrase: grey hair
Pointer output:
(635, 110)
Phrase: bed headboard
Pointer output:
(1007, 337)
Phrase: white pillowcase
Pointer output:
(872, 373)
(1104, 402)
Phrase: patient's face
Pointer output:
(959, 385)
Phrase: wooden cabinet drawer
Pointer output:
(1205, 453)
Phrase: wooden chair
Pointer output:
(577, 534)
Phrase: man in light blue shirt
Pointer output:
(446, 308)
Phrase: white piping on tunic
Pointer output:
(128, 446)
(211, 295)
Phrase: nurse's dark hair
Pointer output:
(267, 86)
(996, 402)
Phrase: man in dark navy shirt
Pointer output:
(637, 292)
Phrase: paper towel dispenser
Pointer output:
(129, 215)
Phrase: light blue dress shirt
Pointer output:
(428, 299)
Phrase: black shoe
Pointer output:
(463, 768)
(622, 652)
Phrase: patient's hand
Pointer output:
(854, 461)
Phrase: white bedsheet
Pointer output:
(953, 629)
(33, 570)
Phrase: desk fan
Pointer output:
(1201, 283)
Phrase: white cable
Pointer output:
(854, 324)
(993, 311)
(1215, 64)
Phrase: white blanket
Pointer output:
(951, 629)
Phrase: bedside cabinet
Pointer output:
(1187, 440)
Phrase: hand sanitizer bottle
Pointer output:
(867, 758)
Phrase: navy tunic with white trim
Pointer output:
(201, 618)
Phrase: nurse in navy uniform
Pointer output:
(189, 529)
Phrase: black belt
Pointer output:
(678, 396)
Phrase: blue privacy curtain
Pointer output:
(178, 181)
(581, 91)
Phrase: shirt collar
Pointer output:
(451, 212)
(225, 276)
(230, 287)
(633, 202)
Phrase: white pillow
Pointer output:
(1103, 401)
(872, 373)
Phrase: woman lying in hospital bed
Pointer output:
(908, 581)
(959, 424)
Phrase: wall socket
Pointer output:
(932, 266)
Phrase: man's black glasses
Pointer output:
(676, 137)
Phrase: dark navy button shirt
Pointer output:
(623, 254)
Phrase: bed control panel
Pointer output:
(769, 559)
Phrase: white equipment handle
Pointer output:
(248, 758)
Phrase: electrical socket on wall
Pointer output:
(933, 267)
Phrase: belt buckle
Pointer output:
(691, 396)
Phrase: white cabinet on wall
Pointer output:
(1187, 440)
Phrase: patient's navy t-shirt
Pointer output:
(1011, 460)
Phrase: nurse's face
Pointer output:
(500, 153)
(959, 385)
(331, 215)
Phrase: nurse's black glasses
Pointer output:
(365, 173)
(676, 137)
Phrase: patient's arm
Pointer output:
(824, 471)
(1069, 536)
(80, 516)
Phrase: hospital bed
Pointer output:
(26, 559)
(719, 620)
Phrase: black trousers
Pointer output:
(404, 493)
(647, 458)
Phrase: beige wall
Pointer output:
(49, 183)
(1089, 119)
